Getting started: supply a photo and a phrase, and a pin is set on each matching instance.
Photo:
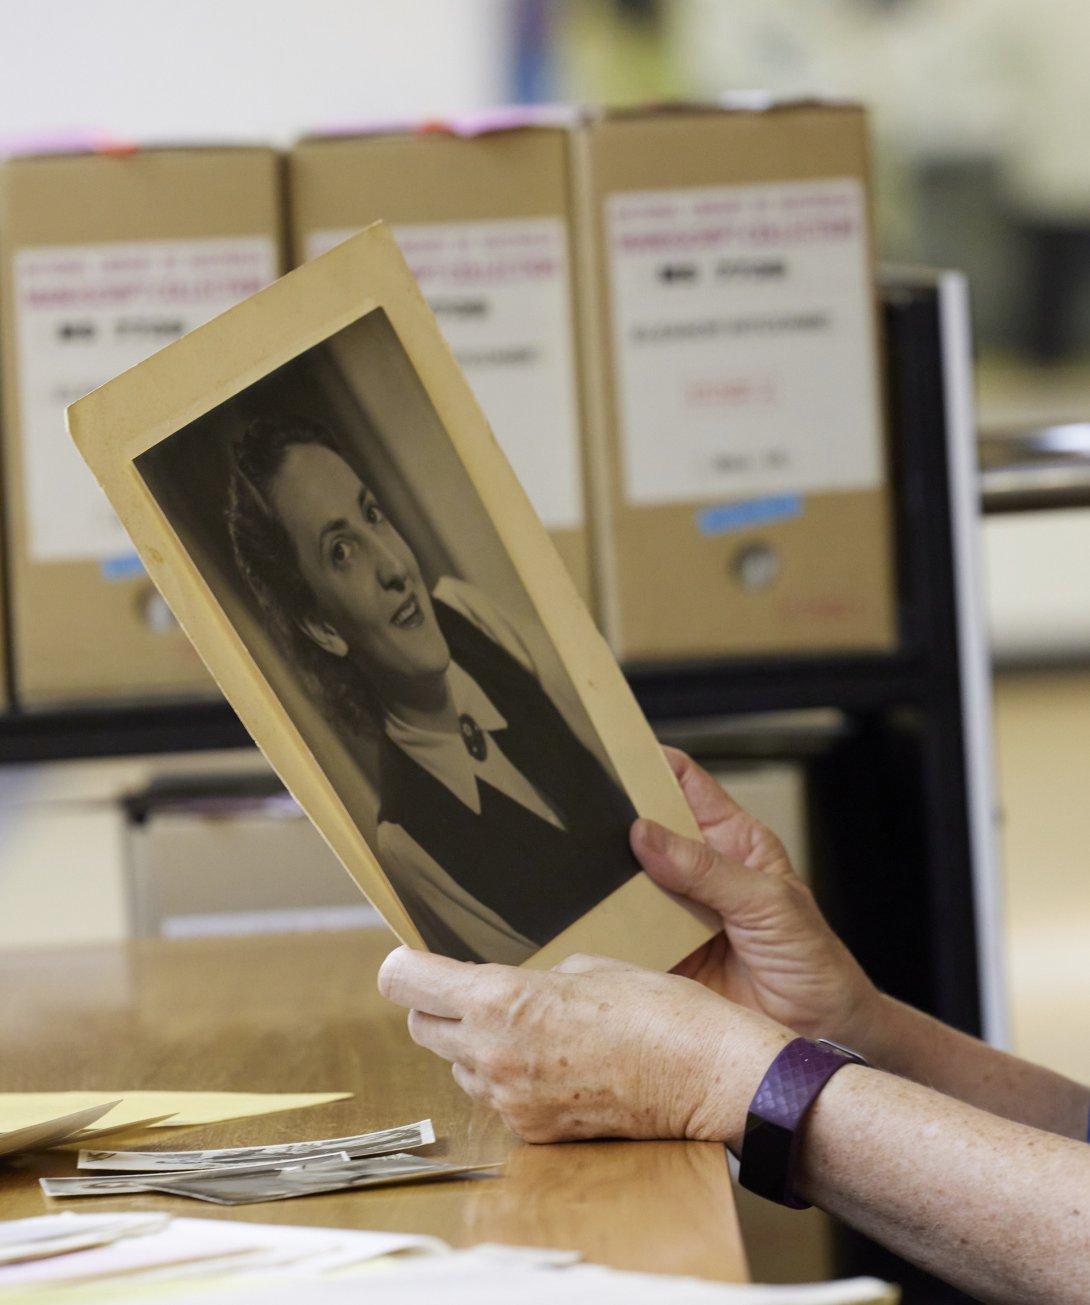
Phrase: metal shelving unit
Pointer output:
(1036, 468)
(69, 733)
(65, 733)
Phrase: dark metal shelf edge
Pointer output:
(676, 693)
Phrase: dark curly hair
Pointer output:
(265, 555)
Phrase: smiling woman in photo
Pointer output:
(498, 825)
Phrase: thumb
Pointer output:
(692, 869)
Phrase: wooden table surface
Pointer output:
(300, 1013)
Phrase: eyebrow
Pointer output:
(331, 527)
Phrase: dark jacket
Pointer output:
(536, 877)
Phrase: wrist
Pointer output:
(863, 1022)
(876, 1028)
(741, 1057)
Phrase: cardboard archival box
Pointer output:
(105, 258)
(742, 505)
(399, 555)
(240, 871)
(483, 218)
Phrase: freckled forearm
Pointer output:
(907, 1042)
(1000, 1209)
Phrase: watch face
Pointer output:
(766, 1159)
(846, 1052)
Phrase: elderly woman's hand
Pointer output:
(592, 1049)
(776, 954)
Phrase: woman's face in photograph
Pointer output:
(365, 577)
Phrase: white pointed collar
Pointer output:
(442, 754)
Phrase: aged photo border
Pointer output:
(120, 421)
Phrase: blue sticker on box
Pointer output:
(124, 567)
(729, 517)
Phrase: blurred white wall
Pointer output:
(997, 80)
(1043, 735)
(223, 69)
(1038, 585)
(1048, 161)
(939, 75)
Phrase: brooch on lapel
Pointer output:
(473, 737)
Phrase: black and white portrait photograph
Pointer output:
(338, 530)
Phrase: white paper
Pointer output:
(231, 1246)
(501, 291)
(242, 1246)
(744, 341)
(253, 1262)
(478, 1277)
(83, 315)
(469, 1278)
(45, 1236)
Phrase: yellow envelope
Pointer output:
(23, 1109)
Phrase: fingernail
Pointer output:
(390, 962)
(654, 836)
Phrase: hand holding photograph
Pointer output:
(313, 488)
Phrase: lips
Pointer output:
(409, 615)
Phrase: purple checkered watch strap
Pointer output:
(793, 1080)
(777, 1111)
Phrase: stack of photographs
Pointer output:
(246, 1174)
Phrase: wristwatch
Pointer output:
(777, 1114)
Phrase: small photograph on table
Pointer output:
(339, 532)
